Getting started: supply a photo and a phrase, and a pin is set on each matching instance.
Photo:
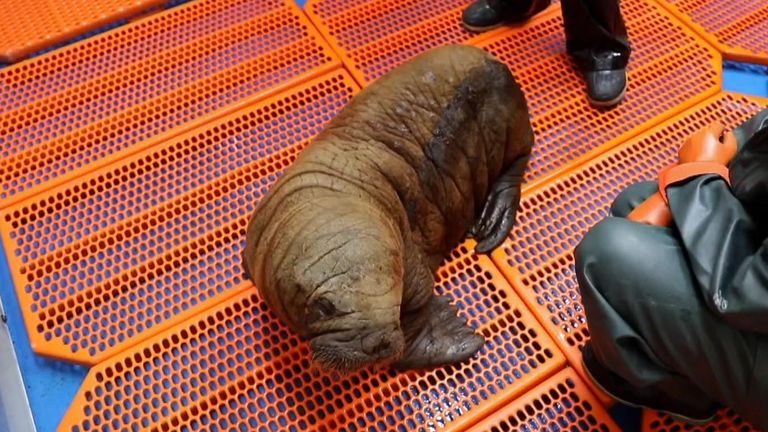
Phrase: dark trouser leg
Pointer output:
(524, 9)
(647, 322)
(596, 26)
(597, 41)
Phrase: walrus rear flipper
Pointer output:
(435, 335)
(498, 215)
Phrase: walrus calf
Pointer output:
(343, 248)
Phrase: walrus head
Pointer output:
(352, 313)
(348, 331)
(337, 281)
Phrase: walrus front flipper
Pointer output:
(435, 335)
(498, 215)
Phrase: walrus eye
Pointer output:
(322, 308)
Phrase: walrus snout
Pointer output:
(381, 344)
(347, 350)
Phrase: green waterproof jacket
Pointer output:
(725, 232)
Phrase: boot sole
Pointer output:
(613, 102)
(474, 29)
(675, 416)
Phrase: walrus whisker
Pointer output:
(338, 360)
(333, 360)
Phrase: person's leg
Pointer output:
(612, 383)
(653, 341)
(596, 38)
(484, 15)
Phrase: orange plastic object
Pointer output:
(538, 258)
(671, 69)
(111, 258)
(682, 172)
(235, 367)
(31, 25)
(738, 30)
(79, 108)
(726, 420)
(561, 403)
(373, 37)
(652, 211)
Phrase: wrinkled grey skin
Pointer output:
(344, 246)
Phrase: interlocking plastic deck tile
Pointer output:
(235, 367)
(671, 68)
(76, 109)
(538, 259)
(726, 421)
(110, 258)
(32, 25)
(739, 30)
(130, 163)
(373, 37)
(562, 402)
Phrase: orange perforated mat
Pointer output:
(671, 67)
(562, 402)
(31, 25)
(552, 219)
(108, 259)
(373, 37)
(235, 367)
(130, 163)
(739, 30)
(81, 107)
(726, 421)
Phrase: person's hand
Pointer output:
(705, 147)
(709, 145)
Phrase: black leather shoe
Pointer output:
(606, 88)
(484, 15)
(605, 75)
(622, 391)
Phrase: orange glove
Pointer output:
(705, 146)
(702, 153)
